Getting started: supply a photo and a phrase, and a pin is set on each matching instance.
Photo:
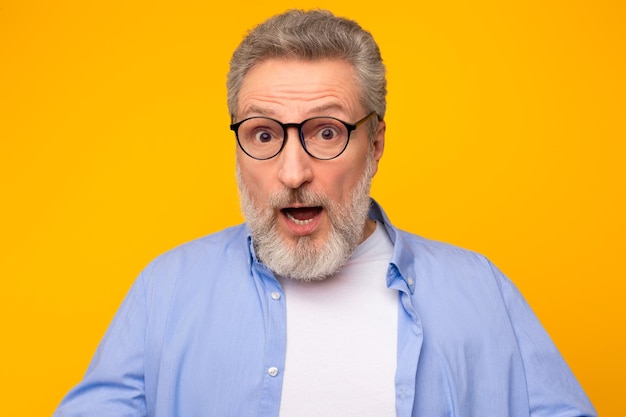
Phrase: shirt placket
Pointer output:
(274, 310)
(410, 338)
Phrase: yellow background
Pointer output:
(506, 135)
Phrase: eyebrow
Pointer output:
(323, 108)
(254, 109)
(266, 111)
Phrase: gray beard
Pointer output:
(307, 260)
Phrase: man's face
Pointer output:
(303, 210)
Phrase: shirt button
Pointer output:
(273, 371)
(410, 281)
(275, 295)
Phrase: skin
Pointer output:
(292, 91)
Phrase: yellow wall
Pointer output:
(506, 131)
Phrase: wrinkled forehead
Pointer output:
(325, 84)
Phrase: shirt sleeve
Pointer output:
(114, 382)
(552, 388)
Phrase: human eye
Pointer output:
(262, 131)
(263, 136)
(328, 131)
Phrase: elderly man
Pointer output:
(318, 306)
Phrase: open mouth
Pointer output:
(301, 215)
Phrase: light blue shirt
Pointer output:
(202, 333)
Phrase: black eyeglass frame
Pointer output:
(350, 127)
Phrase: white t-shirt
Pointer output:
(342, 338)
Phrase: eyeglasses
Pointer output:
(321, 137)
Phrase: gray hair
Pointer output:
(312, 35)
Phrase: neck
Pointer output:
(368, 229)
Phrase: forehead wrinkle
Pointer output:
(299, 90)
(325, 109)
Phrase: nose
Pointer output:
(295, 168)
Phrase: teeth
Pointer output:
(298, 222)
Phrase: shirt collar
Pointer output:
(401, 272)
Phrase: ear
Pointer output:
(378, 146)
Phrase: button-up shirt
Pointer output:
(202, 333)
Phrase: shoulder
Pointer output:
(414, 252)
(432, 254)
(215, 243)
(444, 271)
(202, 254)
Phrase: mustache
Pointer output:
(298, 197)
